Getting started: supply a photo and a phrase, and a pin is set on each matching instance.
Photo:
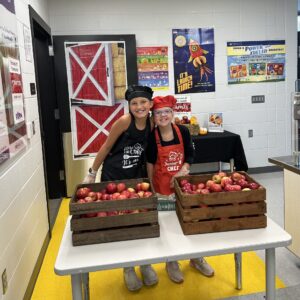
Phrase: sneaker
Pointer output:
(202, 266)
(174, 271)
(149, 275)
(132, 282)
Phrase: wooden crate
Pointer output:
(91, 230)
(223, 211)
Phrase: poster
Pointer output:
(215, 122)
(152, 65)
(27, 43)
(12, 117)
(182, 108)
(97, 81)
(193, 58)
(255, 61)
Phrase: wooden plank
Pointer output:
(213, 212)
(188, 200)
(250, 222)
(81, 224)
(113, 235)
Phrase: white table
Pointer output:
(171, 245)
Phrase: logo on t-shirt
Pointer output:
(132, 155)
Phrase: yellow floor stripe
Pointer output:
(108, 285)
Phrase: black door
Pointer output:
(48, 108)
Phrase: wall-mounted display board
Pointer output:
(255, 61)
(12, 117)
(153, 67)
(193, 58)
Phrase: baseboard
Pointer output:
(37, 267)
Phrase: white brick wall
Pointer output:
(233, 20)
(23, 205)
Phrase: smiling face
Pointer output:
(163, 116)
(140, 107)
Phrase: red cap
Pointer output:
(160, 102)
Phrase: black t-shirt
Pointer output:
(151, 151)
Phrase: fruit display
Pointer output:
(113, 211)
(220, 182)
(191, 124)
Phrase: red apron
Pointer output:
(169, 161)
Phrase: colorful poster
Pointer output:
(215, 122)
(255, 61)
(12, 118)
(152, 65)
(193, 58)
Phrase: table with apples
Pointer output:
(220, 147)
(171, 245)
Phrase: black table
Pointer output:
(220, 147)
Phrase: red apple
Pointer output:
(205, 191)
(138, 187)
(200, 186)
(216, 188)
(82, 192)
(194, 187)
(229, 188)
(111, 188)
(243, 183)
(222, 174)
(81, 201)
(121, 197)
(115, 196)
(209, 183)
(126, 193)
(145, 186)
(147, 194)
(253, 185)
(183, 182)
(99, 195)
(237, 187)
(246, 189)
(121, 187)
(112, 213)
(93, 195)
(225, 180)
(236, 176)
(101, 214)
(88, 199)
(133, 195)
(91, 215)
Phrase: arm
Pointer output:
(150, 169)
(116, 130)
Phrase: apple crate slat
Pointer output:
(142, 222)
(220, 211)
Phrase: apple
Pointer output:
(209, 183)
(243, 183)
(112, 213)
(133, 195)
(91, 215)
(126, 193)
(236, 176)
(121, 187)
(183, 182)
(141, 194)
(216, 188)
(93, 195)
(253, 185)
(229, 188)
(115, 195)
(111, 188)
(236, 187)
(131, 190)
(246, 189)
(101, 214)
(103, 191)
(81, 201)
(145, 186)
(222, 174)
(82, 192)
(205, 191)
(105, 197)
(194, 187)
(88, 199)
(99, 195)
(121, 197)
(138, 187)
(200, 186)
(216, 178)
(225, 180)
(147, 194)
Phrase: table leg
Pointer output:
(231, 164)
(220, 166)
(76, 286)
(238, 270)
(86, 286)
(270, 274)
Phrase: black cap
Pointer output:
(135, 91)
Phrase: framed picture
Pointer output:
(215, 122)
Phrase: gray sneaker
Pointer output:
(132, 282)
(202, 266)
(149, 275)
(174, 271)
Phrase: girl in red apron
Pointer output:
(169, 154)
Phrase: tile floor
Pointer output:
(287, 264)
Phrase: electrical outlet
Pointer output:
(250, 133)
(258, 99)
(4, 282)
